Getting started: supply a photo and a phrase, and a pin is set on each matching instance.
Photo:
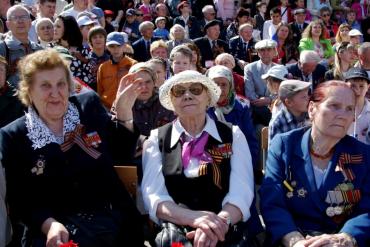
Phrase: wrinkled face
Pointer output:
(283, 32)
(333, 116)
(178, 33)
(45, 31)
(224, 84)
(189, 104)
(359, 86)
(147, 85)
(266, 54)
(19, 22)
(246, 33)
(308, 68)
(58, 29)
(213, 32)
(49, 93)
(300, 17)
(98, 41)
(47, 9)
(298, 103)
(160, 52)
(210, 15)
(180, 63)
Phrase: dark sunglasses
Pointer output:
(325, 15)
(195, 89)
(139, 14)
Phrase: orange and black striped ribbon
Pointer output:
(346, 158)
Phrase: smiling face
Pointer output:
(49, 94)
(98, 41)
(189, 104)
(333, 116)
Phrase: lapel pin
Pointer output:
(40, 166)
(302, 192)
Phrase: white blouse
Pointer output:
(241, 187)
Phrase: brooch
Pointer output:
(38, 169)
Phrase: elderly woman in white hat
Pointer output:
(197, 171)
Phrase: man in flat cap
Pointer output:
(210, 45)
(299, 24)
(255, 87)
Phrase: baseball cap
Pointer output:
(357, 73)
(355, 32)
(288, 88)
(130, 12)
(84, 21)
(115, 38)
(278, 71)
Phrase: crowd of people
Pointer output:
(181, 89)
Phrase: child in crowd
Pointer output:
(161, 31)
(111, 71)
(147, 11)
(180, 59)
(294, 96)
(159, 65)
(359, 81)
(85, 24)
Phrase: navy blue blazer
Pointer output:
(237, 50)
(289, 154)
(141, 53)
(317, 75)
(71, 181)
(206, 50)
(193, 24)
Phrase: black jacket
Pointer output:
(206, 50)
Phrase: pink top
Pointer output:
(225, 9)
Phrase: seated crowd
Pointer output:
(183, 91)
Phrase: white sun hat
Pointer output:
(188, 76)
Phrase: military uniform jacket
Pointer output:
(306, 208)
(47, 182)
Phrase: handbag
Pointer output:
(172, 235)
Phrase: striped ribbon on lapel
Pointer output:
(75, 136)
(346, 158)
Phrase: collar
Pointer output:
(40, 135)
(246, 42)
(178, 129)
(288, 116)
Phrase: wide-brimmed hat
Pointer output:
(278, 71)
(188, 76)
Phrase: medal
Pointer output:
(302, 192)
(92, 139)
(289, 194)
(39, 167)
(330, 211)
(338, 210)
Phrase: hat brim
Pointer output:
(113, 43)
(361, 77)
(213, 89)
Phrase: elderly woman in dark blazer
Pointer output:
(197, 171)
(59, 160)
(316, 190)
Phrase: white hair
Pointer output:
(42, 20)
(309, 57)
(207, 8)
(172, 30)
(12, 9)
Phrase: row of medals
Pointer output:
(335, 198)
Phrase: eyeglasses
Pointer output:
(195, 89)
(19, 18)
(139, 14)
(43, 28)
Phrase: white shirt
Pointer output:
(241, 190)
(269, 29)
(361, 123)
(71, 12)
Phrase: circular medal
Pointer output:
(289, 194)
(302, 192)
(338, 210)
(330, 211)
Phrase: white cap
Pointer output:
(84, 21)
(266, 43)
(355, 32)
(278, 71)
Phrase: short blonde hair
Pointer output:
(158, 44)
(40, 61)
(172, 31)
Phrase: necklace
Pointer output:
(319, 156)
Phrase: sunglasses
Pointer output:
(325, 15)
(195, 89)
(139, 14)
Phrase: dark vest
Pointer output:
(199, 193)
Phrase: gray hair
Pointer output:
(12, 9)
(172, 30)
(363, 47)
(225, 56)
(144, 25)
(207, 8)
(42, 20)
(244, 26)
(309, 57)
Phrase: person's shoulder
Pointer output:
(234, 39)
(16, 127)
(200, 39)
(84, 98)
(353, 144)
(292, 66)
(128, 60)
(252, 65)
(137, 42)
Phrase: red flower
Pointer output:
(69, 244)
(177, 244)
